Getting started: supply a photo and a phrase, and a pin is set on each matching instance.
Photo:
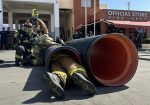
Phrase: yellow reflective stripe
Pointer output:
(34, 61)
(17, 56)
(31, 50)
(61, 74)
(25, 41)
(15, 35)
(79, 69)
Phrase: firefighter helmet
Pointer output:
(34, 13)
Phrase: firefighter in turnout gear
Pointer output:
(62, 65)
(15, 38)
(37, 24)
(25, 41)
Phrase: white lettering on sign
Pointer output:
(127, 13)
(139, 14)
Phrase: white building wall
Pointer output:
(56, 18)
(53, 12)
(1, 15)
(10, 20)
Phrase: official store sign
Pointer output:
(127, 13)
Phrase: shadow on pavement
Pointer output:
(146, 59)
(7, 64)
(34, 82)
(106, 90)
(71, 94)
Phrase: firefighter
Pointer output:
(15, 40)
(38, 25)
(62, 65)
(26, 40)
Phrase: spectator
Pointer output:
(76, 35)
(90, 33)
(138, 39)
(4, 38)
(9, 38)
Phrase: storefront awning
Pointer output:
(129, 24)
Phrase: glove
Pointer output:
(60, 41)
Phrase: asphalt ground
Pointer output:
(23, 85)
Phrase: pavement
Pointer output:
(22, 85)
(144, 54)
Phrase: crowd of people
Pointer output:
(80, 34)
(6, 39)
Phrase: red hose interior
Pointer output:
(113, 60)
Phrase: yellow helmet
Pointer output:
(15, 33)
(34, 13)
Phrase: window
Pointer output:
(88, 3)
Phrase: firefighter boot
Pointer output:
(18, 61)
(77, 74)
(81, 81)
(54, 84)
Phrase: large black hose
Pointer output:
(72, 52)
(110, 59)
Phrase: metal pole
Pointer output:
(85, 17)
(94, 15)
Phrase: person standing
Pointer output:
(4, 39)
(138, 40)
(90, 33)
(9, 38)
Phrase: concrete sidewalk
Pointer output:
(19, 85)
(144, 54)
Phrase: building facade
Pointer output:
(110, 20)
(16, 12)
(61, 16)
(79, 11)
(64, 17)
(127, 21)
(72, 16)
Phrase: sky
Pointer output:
(139, 5)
